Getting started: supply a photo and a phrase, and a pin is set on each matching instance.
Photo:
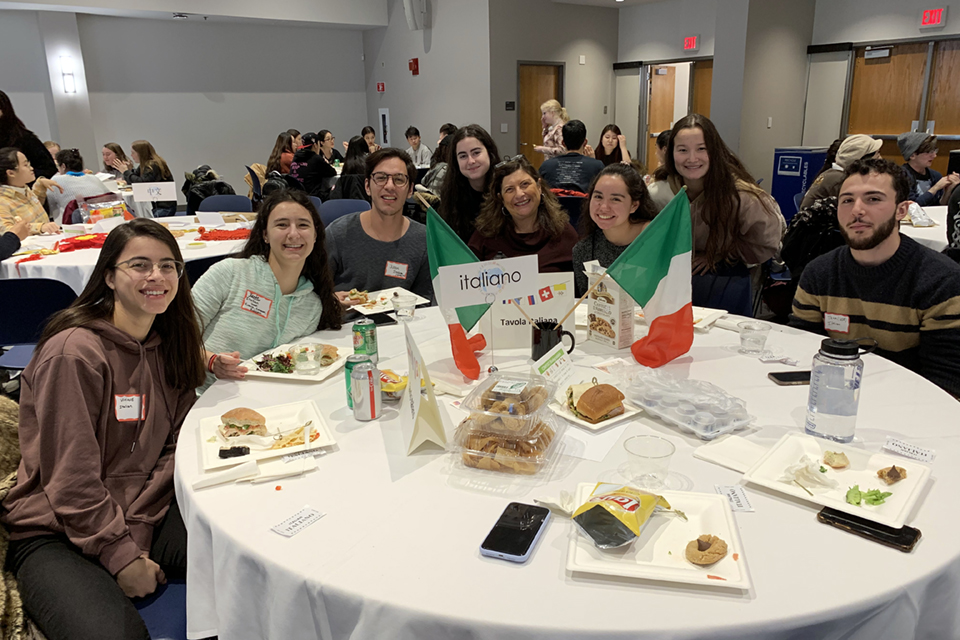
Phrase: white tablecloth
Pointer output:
(396, 555)
(932, 237)
(75, 267)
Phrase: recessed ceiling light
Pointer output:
(183, 16)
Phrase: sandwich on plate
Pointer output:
(594, 402)
(242, 422)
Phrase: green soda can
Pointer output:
(365, 338)
(353, 361)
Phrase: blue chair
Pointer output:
(226, 203)
(165, 611)
(797, 199)
(196, 268)
(22, 324)
(333, 209)
(317, 202)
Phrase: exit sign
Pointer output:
(933, 18)
(691, 43)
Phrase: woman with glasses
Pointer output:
(328, 147)
(92, 519)
(521, 217)
(18, 202)
(277, 290)
(473, 153)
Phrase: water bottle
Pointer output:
(834, 390)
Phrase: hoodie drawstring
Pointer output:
(143, 370)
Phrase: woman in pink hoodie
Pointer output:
(92, 518)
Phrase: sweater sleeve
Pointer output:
(9, 244)
(760, 228)
(940, 344)
(807, 312)
(67, 399)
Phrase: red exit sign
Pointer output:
(933, 18)
(691, 43)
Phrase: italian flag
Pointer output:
(445, 248)
(655, 270)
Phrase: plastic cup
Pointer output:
(753, 337)
(648, 460)
(306, 360)
(404, 306)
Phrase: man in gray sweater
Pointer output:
(381, 248)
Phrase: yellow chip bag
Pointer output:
(615, 514)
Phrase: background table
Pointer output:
(932, 237)
(397, 553)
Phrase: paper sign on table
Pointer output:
(154, 191)
(297, 522)
(555, 366)
(421, 421)
(107, 224)
(464, 285)
(908, 450)
(209, 219)
(545, 306)
(736, 495)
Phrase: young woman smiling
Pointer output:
(520, 217)
(735, 223)
(474, 153)
(92, 519)
(279, 288)
(616, 210)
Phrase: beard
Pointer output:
(880, 233)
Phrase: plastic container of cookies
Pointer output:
(510, 404)
(528, 454)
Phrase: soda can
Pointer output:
(365, 338)
(365, 388)
(352, 361)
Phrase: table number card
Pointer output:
(908, 450)
(421, 420)
(297, 522)
(154, 191)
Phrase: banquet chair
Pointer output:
(317, 202)
(22, 324)
(226, 203)
(196, 268)
(165, 611)
(333, 209)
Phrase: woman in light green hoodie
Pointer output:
(278, 290)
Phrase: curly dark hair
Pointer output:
(493, 217)
(879, 166)
(636, 190)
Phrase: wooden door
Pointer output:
(659, 108)
(943, 106)
(886, 94)
(702, 86)
(538, 83)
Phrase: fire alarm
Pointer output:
(414, 65)
(381, 87)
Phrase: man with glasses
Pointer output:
(381, 248)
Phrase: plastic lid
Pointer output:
(841, 348)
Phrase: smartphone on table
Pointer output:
(904, 538)
(789, 378)
(516, 532)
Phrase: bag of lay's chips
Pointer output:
(615, 514)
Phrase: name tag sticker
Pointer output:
(836, 322)
(396, 270)
(129, 408)
(908, 450)
(256, 304)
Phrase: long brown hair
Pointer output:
(284, 144)
(493, 217)
(151, 160)
(316, 268)
(726, 179)
(455, 191)
(636, 191)
(117, 151)
(601, 154)
(178, 328)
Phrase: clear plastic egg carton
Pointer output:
(696, 406)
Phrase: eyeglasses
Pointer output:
(144, 268)
(399, 179)
(507, 160)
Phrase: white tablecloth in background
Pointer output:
(397, 554)
(933, 237)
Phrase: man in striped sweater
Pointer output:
(884, 285)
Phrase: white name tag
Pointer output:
(736, 495)
(297, 522)
(836, 322)
(396, 270)
(256, 304)
(908, 450)
(129, 408)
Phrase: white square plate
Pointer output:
(862, 471)
(284, 417)
(658, 554)
(562, 410)
(323, 374)
(380, 301)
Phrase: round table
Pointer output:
(397, 556)
(75, 267)
(933, 237)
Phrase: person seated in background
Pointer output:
(573, 170)
(473, 154)
(277, 290)
(447, 129)
(350, 185)
(735, 223)
(297, 138)
(663, 141)
(369, 136)
(282, 154)
(827, 183)
(18, 202)
(927, 186)
(433, 180)
(521, 217)
(93, 518)
(612, 147)
(617, 209)
(328, 147)
(152, 168)
(74, 182)
(11, 239)
(883, 284)
(312, 169)
(419, 153)
(110, 152)
(53, 148)
(381, 248)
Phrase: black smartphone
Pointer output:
(382, 318)
(789, 378)
(516, 532)
(904, 538)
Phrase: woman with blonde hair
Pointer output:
(152, 168)
(520, 216)
(552, 117)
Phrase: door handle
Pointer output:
(524, 144)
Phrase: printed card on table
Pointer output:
(154, 191)
(552, 299)
(421, 419)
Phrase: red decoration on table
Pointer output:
(86, 241)
(223, 234)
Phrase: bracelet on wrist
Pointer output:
(210, 362)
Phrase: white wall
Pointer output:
(454, 81)
(681, 93)
(519, 32)
(655, 31)
(729, 54)
(26, 82)
(218, 93)
(872, 20)
(628, 103)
